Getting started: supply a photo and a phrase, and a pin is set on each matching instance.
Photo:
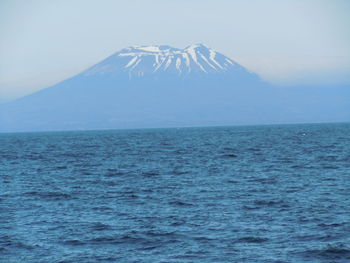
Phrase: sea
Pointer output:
(257, 194)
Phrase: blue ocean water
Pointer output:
(224, 194)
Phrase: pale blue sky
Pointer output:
(284, 41)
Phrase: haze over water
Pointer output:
(224, 194)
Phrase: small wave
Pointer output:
(100, 226)
(110, 183)
(63, 167)
(177, 172)
(83, 171)
(253, 150)
(9, 156)
(247, 207)
(70, 155)
(180, 203)
(300, 166)
(330, 167)
(114, 173)
(267, 203)
(286, 160)
(105, 240)
(292, 190)
(73, 242)
(203, 239)
(161, 234)
(150, 173)
(252, 240)
(329, 253)
(178, 223)
(149, 248)
(263, 180)
(10, 243)
(132, 239)
(53, 196)
(232, 181)
(231, 155)
(101, 208)
(331, 225)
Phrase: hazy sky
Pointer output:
(284, 41)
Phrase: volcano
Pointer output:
(151, 86)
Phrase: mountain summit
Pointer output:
(138, 61)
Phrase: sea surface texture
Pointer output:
(230, 194)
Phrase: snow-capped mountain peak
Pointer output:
(144, 60)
